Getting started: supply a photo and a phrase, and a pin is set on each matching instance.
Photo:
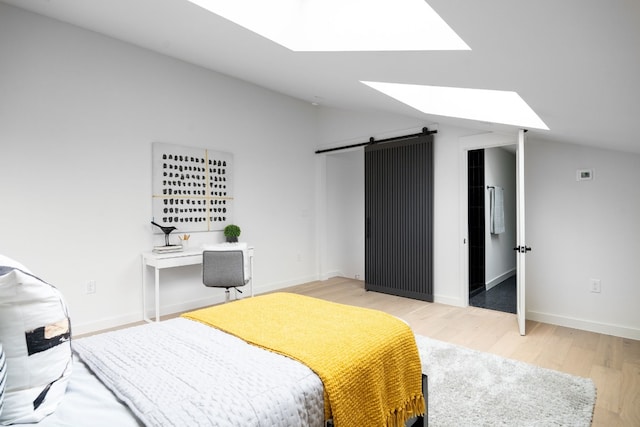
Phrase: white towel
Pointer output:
(496, 210)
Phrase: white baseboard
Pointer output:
(330, 274)
(105, 323)
(566, 321)
(457, 302)
(501, 278)
(585, 325)
(127, 319)
(270, 287)
(570, 322)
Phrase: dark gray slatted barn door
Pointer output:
(399, 218)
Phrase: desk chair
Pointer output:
(223, 269)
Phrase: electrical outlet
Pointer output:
(90, 287)
(596, 286)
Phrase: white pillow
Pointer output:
(3, 376)
(35, 334)
(8, 262)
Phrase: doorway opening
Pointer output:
(491, 192)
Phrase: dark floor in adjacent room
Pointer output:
(501, 297)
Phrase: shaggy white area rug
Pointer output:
(472, 388)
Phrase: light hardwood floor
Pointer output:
(613, 363)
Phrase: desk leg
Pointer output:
(251, 278)
(157, 294)
(144, 292)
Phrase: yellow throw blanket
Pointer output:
(367, 360)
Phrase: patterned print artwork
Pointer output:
(192, 188)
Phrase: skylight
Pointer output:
(495, 106)
(341, 25)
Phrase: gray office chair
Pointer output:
(223, 269)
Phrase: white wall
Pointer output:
(578, 231)
(78, 113)
(345, 178)
(581, 231)
(340, 185)
(500, 170)
(340, 127)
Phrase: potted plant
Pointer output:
(232, 232)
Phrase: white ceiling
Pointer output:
(575, 62)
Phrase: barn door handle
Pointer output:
(522, 249)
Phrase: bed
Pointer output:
(258, 361)
(190, 355)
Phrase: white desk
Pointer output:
(176, 259)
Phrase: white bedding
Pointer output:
(88, 402)
(269, 390)
(180, 372)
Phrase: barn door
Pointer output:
(399, 217)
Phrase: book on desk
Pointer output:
(167, 249)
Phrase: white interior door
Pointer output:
(521, 247)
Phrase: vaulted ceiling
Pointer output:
(575, 62)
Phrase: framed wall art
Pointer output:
(192, 188)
